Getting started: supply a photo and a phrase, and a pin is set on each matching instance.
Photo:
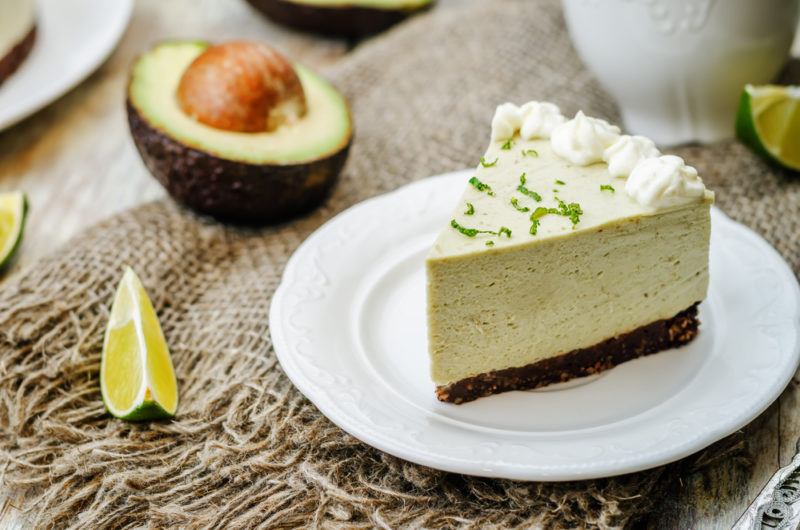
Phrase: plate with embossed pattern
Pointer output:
(349, 329)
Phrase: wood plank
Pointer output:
(789, 428)
(713, 488)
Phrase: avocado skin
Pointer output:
(233, 191)
(11, 61)
(346, 20)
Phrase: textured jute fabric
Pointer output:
(246, 448)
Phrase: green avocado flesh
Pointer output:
(375, 4)
(324, 130)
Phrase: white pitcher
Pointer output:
(677, 67)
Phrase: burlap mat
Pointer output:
(247, 449)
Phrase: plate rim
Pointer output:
(123, 10)
(560, 472)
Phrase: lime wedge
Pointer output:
(769, 122)
(136, 375)
(13, 211)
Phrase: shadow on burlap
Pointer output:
(246, 448)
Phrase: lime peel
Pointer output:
(137, 379)
(768, 121)
(13, 214)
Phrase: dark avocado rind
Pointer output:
(147, 411)
(348, 19)
(12, 60)
(230, 190)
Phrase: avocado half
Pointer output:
(244, 177)
(343, 18)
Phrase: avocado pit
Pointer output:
(242, 86)
(237, 131)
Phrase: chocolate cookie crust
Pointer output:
(11, 61)
(650, 338)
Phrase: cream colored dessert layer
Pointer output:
(16, 20)
(530, 297)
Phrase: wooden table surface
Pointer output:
(78, 165)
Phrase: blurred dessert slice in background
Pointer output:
(17, 33)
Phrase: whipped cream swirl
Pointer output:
(627, 152)
(664, 181)
(506, 121)
(533, 120)
(539, 120)
(582, 140)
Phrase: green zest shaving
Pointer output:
(515, 204)
(607, 187)
(480, 186)
(469, 232)
(572, 211)
(525, 191)
(484, 163)
(472, 232)
(540, 212)
(470, 209)
(530, 152)
(506, 146)
(490, 243)
(537, 214)
(560, 182)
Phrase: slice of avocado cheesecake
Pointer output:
(573, 249)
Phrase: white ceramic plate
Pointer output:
(73, 37)
(348, 325)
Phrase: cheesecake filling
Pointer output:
(514, 306)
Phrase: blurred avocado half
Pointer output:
(236, 131)
(341, 18)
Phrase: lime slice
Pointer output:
(769, 122)
(13, 210)
(136, 375)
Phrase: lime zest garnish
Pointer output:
(480, 186)
(472, 232)
(525, 191)
(515, 204)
